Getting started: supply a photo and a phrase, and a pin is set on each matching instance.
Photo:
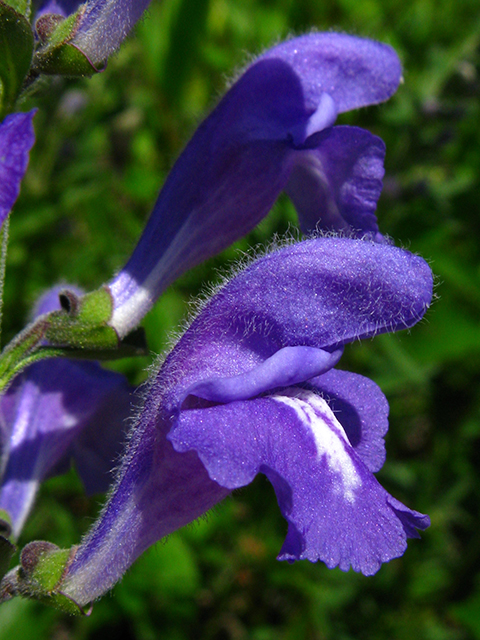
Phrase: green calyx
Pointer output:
(58, 55)
(39, 577)
(82, 323)
(80, 329)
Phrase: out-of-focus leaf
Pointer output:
(16, 48)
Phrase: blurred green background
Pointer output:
(104, 148)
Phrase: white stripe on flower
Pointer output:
(330, 438)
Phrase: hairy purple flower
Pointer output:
(250, 388)
(56, 411)
(272, 131)
(101, 25)
(16, 140)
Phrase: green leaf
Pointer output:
(16, 48)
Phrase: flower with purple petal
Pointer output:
(251, 388)
(272, 131)
(55, 411)
(100, 27)
(16, 139)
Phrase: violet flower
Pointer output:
(16, 139)
(271, 132)
(250, 388)
(101, 25)
(55, 411)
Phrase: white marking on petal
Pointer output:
(330, 438)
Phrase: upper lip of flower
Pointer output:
(276, 117)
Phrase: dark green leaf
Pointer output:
(16, 47)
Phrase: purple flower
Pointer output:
(101, 25)
(271, 132)
(56, 411)
(250, 388)
(16, 140)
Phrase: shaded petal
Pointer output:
(252, 140)
(54, 402)
(16, 139)
(336, 510)
(336, 185)
(203, 208)
(362, 409)
(321, 293)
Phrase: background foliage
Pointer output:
(104, 148)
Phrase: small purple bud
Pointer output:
(16, 139)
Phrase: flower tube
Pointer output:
(251, 388)
(272, 131)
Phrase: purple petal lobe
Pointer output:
(16, 139)
(362, 409)
(411, 520)
(336, 510)
(336, 185)
(290, 365)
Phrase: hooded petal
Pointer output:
(16, 139)
(320, 293)
(335, 509)
(58, 410)
(252, 141)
